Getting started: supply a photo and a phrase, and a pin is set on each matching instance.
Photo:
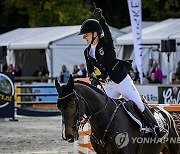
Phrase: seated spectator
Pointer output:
(82, 72)
(75, 70)
(10, 68)
(18, 71)
(36, 72)
(158, 72)
(150, 63)
(153, 78)
(174, 79)
(64, 74)
(41, 72)
(134, 76)
(178, 70)
(145, 80)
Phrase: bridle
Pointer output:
(76, 115)
(78, 124)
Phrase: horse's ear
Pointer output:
(70, 83)
(57, 85)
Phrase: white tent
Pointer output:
(46, 46)
(151, 41)
(167, 29)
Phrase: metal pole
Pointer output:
(168, 75)
(1, 65)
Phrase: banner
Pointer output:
(6, 95)
(136, 19)
(169, 95)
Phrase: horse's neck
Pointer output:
(94, 100)
(99, 108)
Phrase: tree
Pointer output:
(10, 18)
(53, 12)
(157, 10)
(41, 13)
(116, 12)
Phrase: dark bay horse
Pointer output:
(112, 129)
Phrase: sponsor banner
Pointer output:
(136, 19)
(149, 92)
(169, 95)
(6, 95)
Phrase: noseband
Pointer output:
(78, 117)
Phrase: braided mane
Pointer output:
(91, 86)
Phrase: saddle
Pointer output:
(136, 115)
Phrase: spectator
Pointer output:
(150, 64)
(145, 80)
(158, 72)
(41, 72)
(174, 79)
(36, 72)
(82, 72)
(153, 78)
(134, 76)
(18, 71)
(64, 75)
(10, 68)
(75, 70)
(178, 70)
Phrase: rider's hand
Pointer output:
(94, 80)
(98, 13)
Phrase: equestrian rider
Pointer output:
(101, 58)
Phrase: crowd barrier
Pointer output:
(36, 100)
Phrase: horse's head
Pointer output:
(68, 105)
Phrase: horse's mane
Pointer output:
(91, 86)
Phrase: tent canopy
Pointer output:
(167, 29)
(61, 44)
(35, 38)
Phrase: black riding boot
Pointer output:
(152, 123)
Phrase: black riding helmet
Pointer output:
(90, 25)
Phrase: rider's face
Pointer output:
(87, 37)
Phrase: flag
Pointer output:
(136, 19)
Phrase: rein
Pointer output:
(78, 121)
(100, 141)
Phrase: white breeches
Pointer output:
(127, 89)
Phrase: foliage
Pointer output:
(38, 13)
(9, 17)
(53, 12)
(157, 10)
(117, 14)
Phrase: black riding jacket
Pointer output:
(106, 60)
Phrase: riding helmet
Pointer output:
(90, 25)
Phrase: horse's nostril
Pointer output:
(70, 138)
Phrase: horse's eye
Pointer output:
(62, 105)
(71, 105)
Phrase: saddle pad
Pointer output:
(159, 117)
